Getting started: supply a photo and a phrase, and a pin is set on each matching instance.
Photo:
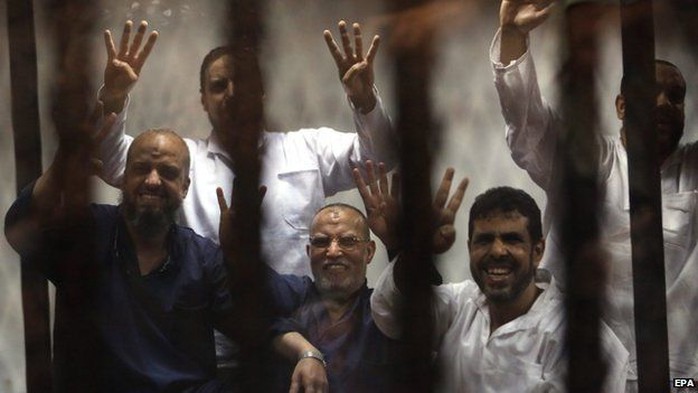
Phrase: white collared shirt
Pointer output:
(522, 356)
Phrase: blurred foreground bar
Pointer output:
(645, 197)
(27, 142)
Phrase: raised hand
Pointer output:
(355, 69)
(227, 235)
(524, 15)
(124, 67)
(381, 203)
(445, 213)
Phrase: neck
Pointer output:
(337, 306)
(151, 248)
(504, 312)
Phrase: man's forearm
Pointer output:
(513, 45)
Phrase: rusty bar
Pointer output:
(585, 266)
(645, 197)
(77, 348)
(244, 34)
(27, 141)
(412, 64)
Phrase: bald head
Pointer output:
(148, 136)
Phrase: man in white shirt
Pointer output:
(532, 129)
(299, 168)
(504, 332)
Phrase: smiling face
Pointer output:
(339, 252)
(503, 257)
(156, 180)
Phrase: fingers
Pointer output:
(332, 46)
(371, 176)
(109, 44)
(222, 204)
(382, 178)
(142, 56)
(125, 38)
(457, 198)
(361, 185)
(442, 192)
(137, 39)
(358, 42)
(348, 52)
(373, 49)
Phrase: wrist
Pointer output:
(313, 354)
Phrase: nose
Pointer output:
(229, 88)
(153, 178)
(499, 248)
(333, 250)
(663, 99)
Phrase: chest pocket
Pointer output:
(300, 194)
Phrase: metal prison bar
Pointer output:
(645, 198)
(27, 141)
(244, 29)
(580, 195)
(412, 64)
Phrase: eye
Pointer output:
(482, 240)
(320, 241)
(169, 172)
(348, 242)
(139, 168)
(512, 238)
(217, 85)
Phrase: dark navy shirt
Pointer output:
(359, 357)
(157, 329)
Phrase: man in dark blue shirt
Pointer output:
(160, 288)
(333, 311)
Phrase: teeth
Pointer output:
(498, 270)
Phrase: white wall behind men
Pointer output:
(302, 89)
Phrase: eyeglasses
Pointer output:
(344, 242)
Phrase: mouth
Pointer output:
(495, 274)
(335, 266)
(150, 197)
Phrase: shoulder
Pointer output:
(194, 245)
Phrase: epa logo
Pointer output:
(684, 383)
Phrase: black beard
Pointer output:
(149, 223)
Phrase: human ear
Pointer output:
(620, 107)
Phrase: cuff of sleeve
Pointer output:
(498, 66)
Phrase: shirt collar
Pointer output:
(214, 146)
(124, 250)
(551, 293)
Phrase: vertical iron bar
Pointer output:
(77, 354)
(27, 141)
(579, 151)
(413, 65)
(244, 35)
(645, 197)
